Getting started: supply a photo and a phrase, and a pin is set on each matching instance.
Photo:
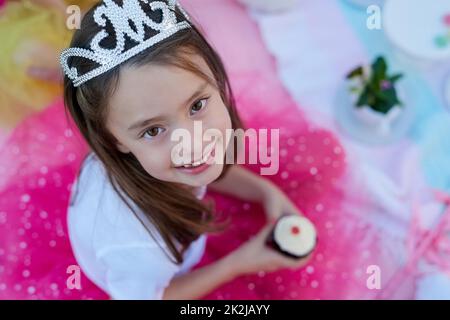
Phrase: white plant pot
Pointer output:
(371, 127)
(381, 123)
(270, 5)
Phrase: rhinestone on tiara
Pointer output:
(119, 18)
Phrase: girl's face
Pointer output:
(151, 102)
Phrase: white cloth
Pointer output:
(112, 247)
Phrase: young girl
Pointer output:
(136, 221)
(133, 216)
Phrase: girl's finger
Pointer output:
(265, 231)
(296, 263)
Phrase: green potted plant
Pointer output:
(270, 6)
(374, 95)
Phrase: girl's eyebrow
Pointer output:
(146, 122)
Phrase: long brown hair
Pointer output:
(178, 215)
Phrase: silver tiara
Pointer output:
(119, 16)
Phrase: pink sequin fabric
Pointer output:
(38, 164)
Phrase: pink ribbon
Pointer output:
(432, 245)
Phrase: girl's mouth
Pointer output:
(199, 166)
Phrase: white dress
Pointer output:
(112, 247)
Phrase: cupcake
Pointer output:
(294, 236)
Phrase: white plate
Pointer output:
(413, 25)
(447, 90)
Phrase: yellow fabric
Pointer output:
(30, 34)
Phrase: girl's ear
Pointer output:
(122, 148)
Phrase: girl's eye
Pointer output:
(153, 132)
(198, 106)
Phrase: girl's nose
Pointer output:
(190, 142)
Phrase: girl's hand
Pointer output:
(42, 61)
(255, 256)
(276, 203)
